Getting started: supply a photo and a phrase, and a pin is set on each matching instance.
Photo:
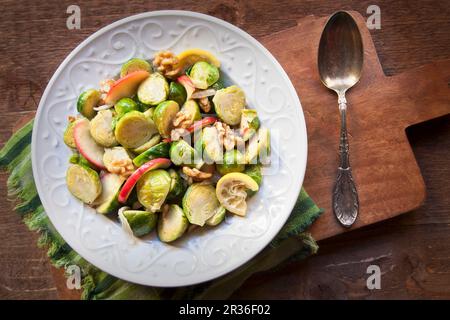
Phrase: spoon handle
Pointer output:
(345, 195)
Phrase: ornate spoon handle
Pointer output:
(345, 196)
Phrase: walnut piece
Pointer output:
(166, 63)
(196, 174)
(118, 161)
(204, 104)
(176, 134)
(227, 137)
(182, 120)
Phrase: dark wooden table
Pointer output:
(413, 250)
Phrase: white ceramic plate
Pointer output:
(199, 256)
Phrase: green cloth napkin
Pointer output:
(292, 243)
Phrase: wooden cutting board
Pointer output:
(388, 178)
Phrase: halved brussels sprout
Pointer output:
(101, 129)
(133, 129)
(249, 123)
(177, 93)
(233, 161)
(68, 135)
(220, 84)
(164, 115)
(134, 64)
(153, 188)
(84, 183)
(177, 186)
(191, 110)
(258, 149)
(212, 149)
(153, 90)
(87, 101)
(229, 103)
(217, 218)
(161, 150)
(77, 158)
(125, 105)
(150, 143)
(172, 224)
(204, 74)
(107, 201)
(254, 172)
(141, 222)
(149, 114)
(181, 153)
(200, 203)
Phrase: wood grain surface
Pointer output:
(412, 250)
(380, 108)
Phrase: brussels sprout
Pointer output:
(84, 183)
(163, 117)
(87, 101)
(133, 129)
(161, 150)
(107, 201)
(177, 93)
(220, 84)
(229, 103)
(249, 123)
(177, 186)
(149, 114)
(101, 129)
(217, 218)
(134, 64)
(233, 161)
(125, 105)
(204, 74)
(78, 158)
(153, 188)
(200, 203)
(181, 153)
(191, 110)
(258, 149)
(68, 135)
(172, 224)
(254, 172)
(153, 90)
(142, 107)
(141, 222)
(212, 149)
(150, 143)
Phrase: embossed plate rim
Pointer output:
(301, 155)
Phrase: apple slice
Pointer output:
(187, 83)
(135, 176)
(126, 86)
(200, 124)
(86, 145)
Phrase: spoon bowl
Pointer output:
(340, 58)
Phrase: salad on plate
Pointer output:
(165, 145)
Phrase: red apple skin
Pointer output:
(135, 176)
(126, 86)
(200, 124)
(81, 146)
(187, 84)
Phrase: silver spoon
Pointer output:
(340, 62)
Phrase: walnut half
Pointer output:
(196, 174)
(166, 63)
